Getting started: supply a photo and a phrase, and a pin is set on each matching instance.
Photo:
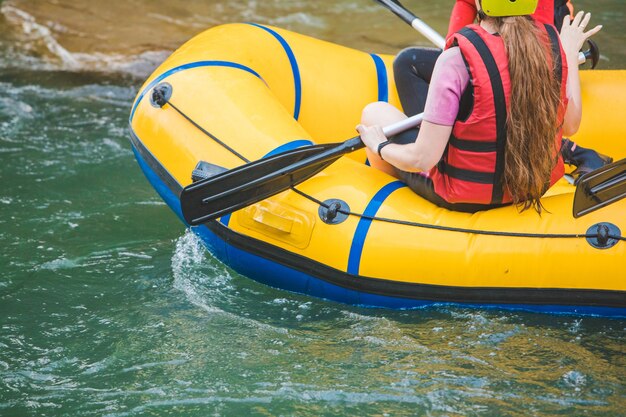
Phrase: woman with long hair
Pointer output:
(413, 66)
(501, 97)
(547, 11)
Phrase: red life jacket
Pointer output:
(472, 167)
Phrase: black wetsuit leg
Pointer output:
(412, 70)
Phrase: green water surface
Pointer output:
(108, 307)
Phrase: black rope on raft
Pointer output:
(459, 229)
(162, 100)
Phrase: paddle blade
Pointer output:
(600, 188)
(255, 181)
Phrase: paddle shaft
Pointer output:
(323, 157)
(334, 153)
(418, 24)
(255, 181)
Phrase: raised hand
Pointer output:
(573, 34)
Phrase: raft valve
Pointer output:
(334, 211)
(603, 235)
(160, 95)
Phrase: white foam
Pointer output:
(575, 380)
(37, 32)
(206, 282)
(40, 38)
(187, 263)
(135, 255)
(60, 263)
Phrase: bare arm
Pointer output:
(573, 37)
(449, 81)
(421, 155)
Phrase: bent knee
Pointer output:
(381, 113)
(405, 57)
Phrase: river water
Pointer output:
(108, 307)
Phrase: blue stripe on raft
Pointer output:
(381, 73)
(190, 65)
(282, 148)
(289, 146)
(356, 250)
(283, 277)
(225, 219)
(294, 68)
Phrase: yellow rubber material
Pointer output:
(327, 86)
(508, 7)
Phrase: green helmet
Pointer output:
(498, 8)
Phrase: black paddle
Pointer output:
(418, 24)
(255, 181)
(600, 188)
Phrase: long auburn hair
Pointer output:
(531, 152)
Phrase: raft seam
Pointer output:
(381, 75)
(288, 146)
(297, 80)
(225, 220)
(457, 229)
(191, 65)
(480, 296)
(362, 228)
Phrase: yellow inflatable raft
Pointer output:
(240, 92)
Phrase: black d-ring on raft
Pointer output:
(161, 94)
(603, 235)
(333, 211)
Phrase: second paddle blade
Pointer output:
(600, 188)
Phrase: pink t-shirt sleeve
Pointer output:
(449, 81)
